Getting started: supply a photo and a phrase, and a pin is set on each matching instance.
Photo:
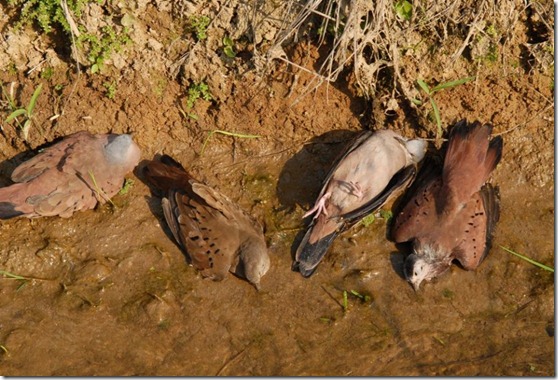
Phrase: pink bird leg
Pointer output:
(319, 207)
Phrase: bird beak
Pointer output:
(415, 286)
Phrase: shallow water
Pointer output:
(112, 295)
(109, 293)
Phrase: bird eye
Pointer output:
(416, 274)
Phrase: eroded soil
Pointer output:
(109, 293)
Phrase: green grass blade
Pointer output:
(237, 134)
(33, 100)
(9, 99)
(437, 117)
(362, 297)
(11, 275)
(211, 133)
(542, 266)
(15, 114)
(205, 142)
(99, 191)
(424, 86)
(416, 102)
(443, 86)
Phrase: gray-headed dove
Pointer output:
(371, 168)
(73, 174)
(453, 213)
(216, 234)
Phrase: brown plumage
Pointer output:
(216, 234)
(453, 212)
(73, 174)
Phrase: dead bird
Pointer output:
(215, 233)
(73, 174)
(366, 174)
(453, 213)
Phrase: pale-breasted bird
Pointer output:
(215, 233)
(366, 174)
(73, 174)
(453, 213)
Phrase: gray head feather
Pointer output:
(117, 148)
(417, 148)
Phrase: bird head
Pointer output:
(417, 149)
(122, 150)
(423, 266)
(416, 270)
(255, 261)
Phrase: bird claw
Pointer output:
(319, 208)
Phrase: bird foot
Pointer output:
(319, 208)
(355, 189)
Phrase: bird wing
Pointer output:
(419, 213)
(208, 236)
(57, 193)
(401, 179)
(50, 157)
(355, 143)
(478, 220)
(228, 208)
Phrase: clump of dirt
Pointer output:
(107, 292)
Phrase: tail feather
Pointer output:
(470, 158)
(169, 161)
(8, 211)
(166, 174)
(12, 201)
(308, 255)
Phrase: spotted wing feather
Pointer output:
(419, 211)
(206, 234)
(478, 222)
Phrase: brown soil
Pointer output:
(110, 294)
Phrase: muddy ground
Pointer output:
(109, 293)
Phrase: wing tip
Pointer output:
(8, 210)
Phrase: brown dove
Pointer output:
(453, 213)
(366, 174)
(73, 174)
(216, 234)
